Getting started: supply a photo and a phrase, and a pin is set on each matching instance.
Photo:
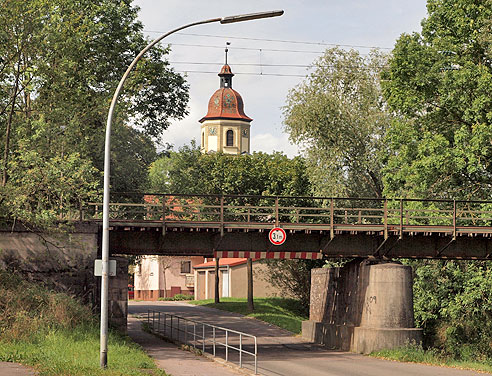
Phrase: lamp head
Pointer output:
(251, 16)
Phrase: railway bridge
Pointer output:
(366, 305)
(316, 227)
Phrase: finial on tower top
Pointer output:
(226, 51)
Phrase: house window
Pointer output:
(185, 267)
(230, 138)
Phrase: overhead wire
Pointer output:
(247, 48)
(276, 40)
(261, 65)
(309, 66)
(244, 73)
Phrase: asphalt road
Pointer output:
(280, 353)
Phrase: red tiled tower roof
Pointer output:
(226, 103)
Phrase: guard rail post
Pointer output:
(186, 332)
(203, 337)
(213, 334)
(240, 350)
(256, 356)
(194, 334)
(227, 346)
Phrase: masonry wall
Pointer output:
(64, 261)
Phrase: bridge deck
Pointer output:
(334, 226)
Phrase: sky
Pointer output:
(269, 57)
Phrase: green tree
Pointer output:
(338, 116)
(438, 83)
(189, 171)
(60, 62)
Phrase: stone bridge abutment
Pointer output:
(362, 307)
(64, 261)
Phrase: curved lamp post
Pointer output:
(107, 147)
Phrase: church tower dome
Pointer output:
(226, 127)
(225, 103)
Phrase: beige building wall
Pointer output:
(162, 276)
(238, 282)
(261, 288)
(213, 136)
(200, 285)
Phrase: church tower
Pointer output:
(226, 127)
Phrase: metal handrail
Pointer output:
(333, 214)
(173, 330)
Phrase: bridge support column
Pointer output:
(362, 307)
(118, 295)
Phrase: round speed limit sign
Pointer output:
(277, 236)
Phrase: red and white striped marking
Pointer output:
(269, 255)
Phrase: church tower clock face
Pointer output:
(225, 128)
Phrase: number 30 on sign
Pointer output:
(277, 236)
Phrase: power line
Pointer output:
(245, 73)
(247, 48)
(273, 65)
(276, 40)
(243, 64)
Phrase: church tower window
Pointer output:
(230, 138)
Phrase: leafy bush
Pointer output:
(453, 304)
(178, 297)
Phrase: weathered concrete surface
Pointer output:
(367, 340)
(63, 260)
(388, 298)
(362, 307)
(282, 354)
(15, 369)
(118, 295)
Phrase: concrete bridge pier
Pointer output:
(362, 307)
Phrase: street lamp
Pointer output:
(107, 147)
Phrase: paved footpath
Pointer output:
(174, 361)
(281, 353)
(15, 369)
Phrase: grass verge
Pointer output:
(57, 335)
(416, 354)
(76, 352)
(282, 312)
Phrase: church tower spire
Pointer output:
(226, 127)
(226, 73)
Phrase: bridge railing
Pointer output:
(223, 209)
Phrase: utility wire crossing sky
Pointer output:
(269, 57)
